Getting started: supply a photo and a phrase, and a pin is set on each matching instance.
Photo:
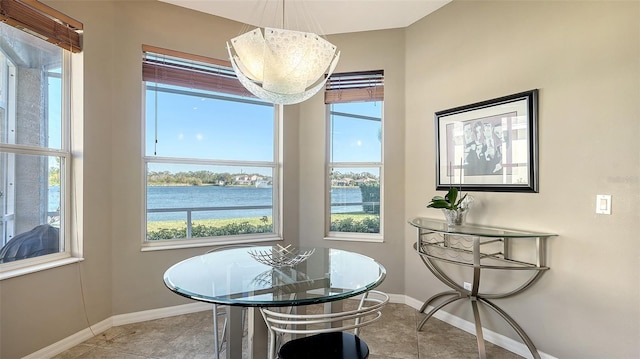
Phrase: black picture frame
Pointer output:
(490, 145)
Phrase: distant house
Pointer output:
(245, 179)
(342, 182)
(365, 181)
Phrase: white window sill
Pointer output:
(162, 245)
(355, 237)
(27, 266)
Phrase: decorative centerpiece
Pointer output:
(280, 256)
(455, 209)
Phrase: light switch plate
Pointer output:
(603, 204)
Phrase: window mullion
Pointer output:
(355, 164)
(31, 150)
(352, 115)
(212, 162)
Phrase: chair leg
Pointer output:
(356, 331)
(272, 345)
(216, 340)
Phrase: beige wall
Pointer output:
(40, 309)
(361, 51)
(584, 57)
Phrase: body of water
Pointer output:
(216, 196)
(166, 197)
(54, 198)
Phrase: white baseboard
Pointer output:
(114, 321)
(71, 341)
(152, 314)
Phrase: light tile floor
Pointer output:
(189, 336)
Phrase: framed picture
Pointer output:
(490, 145)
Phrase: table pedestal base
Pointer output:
(453, 296)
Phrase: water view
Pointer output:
(166, 197)
(161, 197)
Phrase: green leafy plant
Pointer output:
(201, 230)
(370, 194)
(449, 201)
(364, 225)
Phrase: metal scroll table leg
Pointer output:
(479, 337)
(457, 292)
(436, 271)
(434, 310)
(525, 338)
(428, 301)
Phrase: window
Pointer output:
(210, 154)
(35, 129)
(355, 167)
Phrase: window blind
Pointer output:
(188, 70)
(355, 87)
(42, 21)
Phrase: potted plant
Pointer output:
(454, 208)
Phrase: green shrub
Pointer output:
(364, 225)
(201, 230)
(370, 193)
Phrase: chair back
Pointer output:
(368, 311)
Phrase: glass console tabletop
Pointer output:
(234, 277)
(473, 230)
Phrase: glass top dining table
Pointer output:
(234, 277)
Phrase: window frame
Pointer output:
(275, 164)
(352, 236)
(69, 231)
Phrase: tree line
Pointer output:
(196, 178)
(199, 178)
(336, 175)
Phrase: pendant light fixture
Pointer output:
(282, 66)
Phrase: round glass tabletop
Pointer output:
(234, 277)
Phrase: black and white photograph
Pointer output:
(489, 146)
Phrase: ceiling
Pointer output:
(324, 17)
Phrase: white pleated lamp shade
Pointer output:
(283, 66)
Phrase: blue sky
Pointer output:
(209, 128)
(198, 127)
(355, 139)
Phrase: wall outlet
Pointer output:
(467, 285)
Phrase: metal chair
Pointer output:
(218, 310)
(328, 338)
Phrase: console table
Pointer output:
(481, 249)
